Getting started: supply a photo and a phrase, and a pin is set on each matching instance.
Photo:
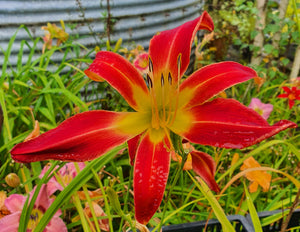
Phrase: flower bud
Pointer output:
(114, 200)
(13, 180)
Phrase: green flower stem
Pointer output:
(89, 200)
(75, 184)
(213, 202)
(5, 114)
(177, 145)
(125, 209)
(25, 215)
(86, 193)
(79, 208)
(115, 203)
(296, 15)
(107, 210)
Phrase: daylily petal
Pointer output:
(151, 170)
(121, 75)
(260, 177)
(204, 166)
(82, 137)
(10, 223)
(253, 187)
(15, 202)
(165, 47)
(283, 95)
(210, 80)
(43, 199)
(56, 224)
(132, 147)
(229, 124)
(291, 103)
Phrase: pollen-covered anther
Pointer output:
(162, 79)
(179, 61)
(170, 78)
(150, 65)
(149, 81)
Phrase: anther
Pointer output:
(149, 81)
(179, 61)
(170, 78)
(162, 80)
(150, 65)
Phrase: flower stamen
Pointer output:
(154, 107)
(162, 80)
(177, 88)
(169, 148)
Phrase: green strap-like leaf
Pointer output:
(75, 184)
(218, 211)
(252, 210)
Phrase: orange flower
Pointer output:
(259, 81)
(3, 210)
(103, 223)
(35, 133)
(188, 163)
(261, 178)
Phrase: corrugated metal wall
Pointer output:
(134, 20)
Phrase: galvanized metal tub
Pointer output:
(94, 22)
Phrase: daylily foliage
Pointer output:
(164, 106)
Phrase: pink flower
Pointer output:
(263, 109)
(142, 62)
(65, 175)
(15, 203)
(103, 223)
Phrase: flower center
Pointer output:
(164, 97)
(35, 217)
(259, 111)
(291, 96)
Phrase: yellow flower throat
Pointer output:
(164, 97)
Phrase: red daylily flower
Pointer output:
(291, 94)
(162, 106)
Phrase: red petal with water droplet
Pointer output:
(167, 45)
(121, 75)
(82, 137)
(212, 79)
(205, 166)
(151, 170)
(227, 123)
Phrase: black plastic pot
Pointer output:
(240, 223)
(276, 226)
